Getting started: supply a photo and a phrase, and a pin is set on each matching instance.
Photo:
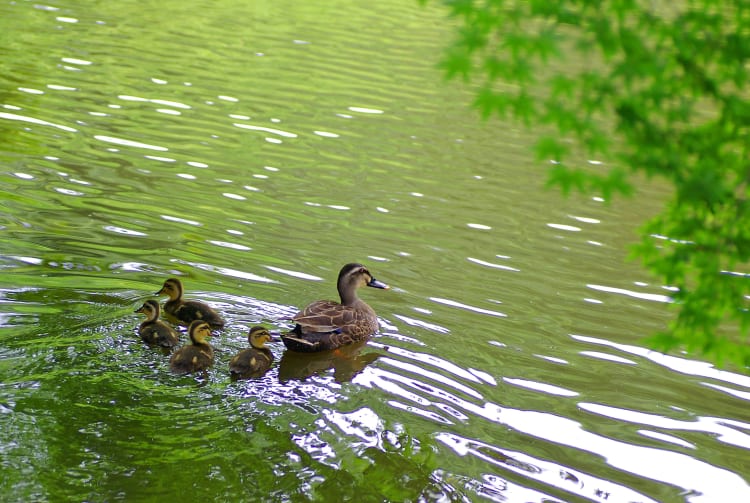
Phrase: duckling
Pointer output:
(325, 324)
(196, 356)
(255, 361)
(186, 311)
(153, 331)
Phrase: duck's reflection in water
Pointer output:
(346, 362)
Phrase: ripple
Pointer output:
(227, 244)
(76, 61)
(492, 265)
(682, 365)
(129, 143)
(294, 274)
(710, 482)
(461, 305)
(630, 293)
(564, 227)
(122, 230)
(32, 120)
(180, 220)
(607, 357)
(543, 387)
(718, 427)
(666, 438)
(326, 134)
(423, 324)
(552, 474)
(285, 134)
(366, 110)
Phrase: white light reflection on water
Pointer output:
(718, 427)
(426, 358)
(607, 356)
(542, 387)
(493, 265)
(130, 143)
(180, 220)
(32, 120)
(639, 295)
(663, 437)
(682, 365)
(294, 274)
(226, 271)
(227, 244)
(479, 310)
(122, 230)
(366, 110)
(285, 134)
(730, 391)
(563, 227)
(423, 324)
(543, 471)
(413, 385)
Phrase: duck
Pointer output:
(254, 361)
(325, 324)
(186, 311)
(154, 331)
(196, 356)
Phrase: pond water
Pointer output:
(252, 149)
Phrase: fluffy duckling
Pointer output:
(153, 331)
(254, 361)
(196, 356)
(326, 324)
(186, 311)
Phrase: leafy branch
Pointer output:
(658, 88)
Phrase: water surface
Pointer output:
(254, 148)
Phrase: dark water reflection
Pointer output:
(252, 149)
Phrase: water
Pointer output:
(253, 149)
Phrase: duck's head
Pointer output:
(171, 287)
(258, 336)
(353, 276)
(150, 308)
(198, 331)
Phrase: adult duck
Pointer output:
(196, 356)
(153, 331)
(187, 311)
(254, 361)
(326, 324)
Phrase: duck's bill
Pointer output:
(378, 284)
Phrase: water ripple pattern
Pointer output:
(252, 149)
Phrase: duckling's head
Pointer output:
(258, 336)
(198, 331)
(171, 287)
(150, 308)
(353, 276)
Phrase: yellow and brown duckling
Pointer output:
(186, 311)
(154, 331)
(325, 324)
(196, 356)
(254, 361)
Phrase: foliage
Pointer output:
(657, 87)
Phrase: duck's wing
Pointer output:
(250, 363)
(324, 316)
(195, 310)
